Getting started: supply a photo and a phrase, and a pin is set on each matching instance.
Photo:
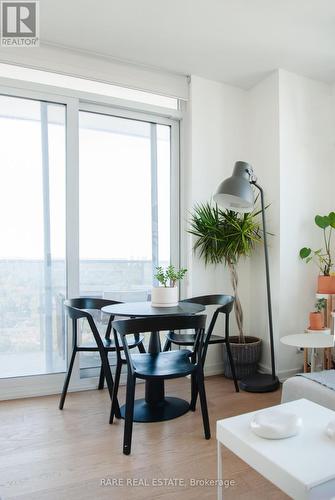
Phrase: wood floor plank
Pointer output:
(74, 454)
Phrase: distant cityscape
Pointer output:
(24, 341)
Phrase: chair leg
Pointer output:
(101, 379)
(194, 392)
(204, 354)
(167, 345)
(141, 348)
(203, 401)
(109, 379)
(129, 414)
(115, 391)
(67, 380)
(194, 385)
(232, 366)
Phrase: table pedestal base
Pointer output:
(167, 409)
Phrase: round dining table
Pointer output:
(155, 407)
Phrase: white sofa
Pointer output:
(300, 387)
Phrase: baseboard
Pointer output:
(285, 374)
(85, 385)
(92, 383)
(21, 393)
(281, 374)
(215, 369)
(55, 389)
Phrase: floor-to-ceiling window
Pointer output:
(32, 249)
(124, 200)
(83, 187)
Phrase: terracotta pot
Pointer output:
(326, 284)
(315, 321)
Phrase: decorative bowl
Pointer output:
(276, 424)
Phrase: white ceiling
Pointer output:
(234, 41)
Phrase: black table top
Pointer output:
(145, 309)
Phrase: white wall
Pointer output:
(307, 163)
(284, 126)
(263, 154)
(218, 138)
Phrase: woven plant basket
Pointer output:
(246, 356)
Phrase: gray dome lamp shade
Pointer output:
(236, 193)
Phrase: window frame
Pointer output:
(39, 385)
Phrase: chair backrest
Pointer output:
(78, 308)
(160, 324)
(225, 303)
(75, 305)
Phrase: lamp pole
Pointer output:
(268, 285)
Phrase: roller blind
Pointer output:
(97, 68)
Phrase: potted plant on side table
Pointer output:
(167, 294)
(316, 320)
(323, 257)
(224, 236)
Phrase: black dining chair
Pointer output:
(162, 365)
(225, 303)
(83, 307)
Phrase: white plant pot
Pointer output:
(162, 296)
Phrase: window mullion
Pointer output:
(154, 201)
(72, 214)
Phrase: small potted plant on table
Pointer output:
(166, 295)
(323, 257)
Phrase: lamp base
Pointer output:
(260, 382)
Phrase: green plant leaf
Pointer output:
(169, 275)
(322, 257)
(320, 304)
(305, 252)
(223, 235)
(322, 221)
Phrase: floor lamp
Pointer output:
(236, 193)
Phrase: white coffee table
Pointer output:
(302, 466)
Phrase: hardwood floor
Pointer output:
(74, 454)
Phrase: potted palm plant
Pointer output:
(166, 295)
(224, 237)
(323, 257)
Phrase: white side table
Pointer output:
(302, 466)
(310, 341)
